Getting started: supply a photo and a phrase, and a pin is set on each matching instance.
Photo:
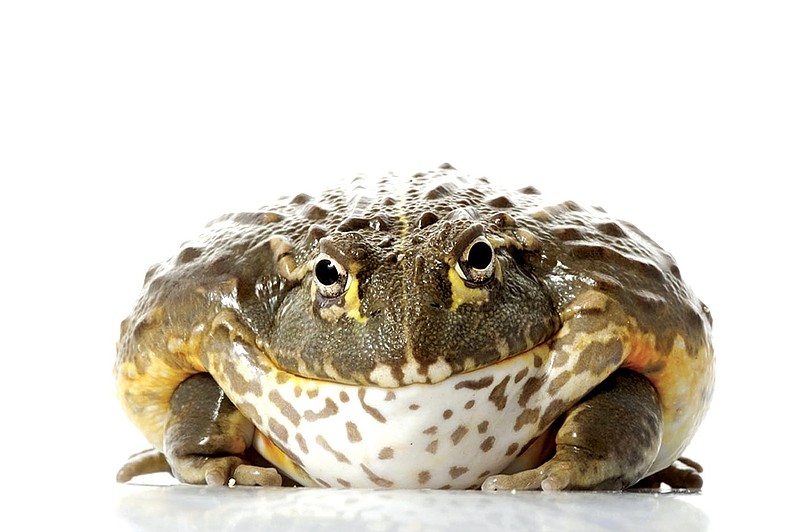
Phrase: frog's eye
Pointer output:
(476, 265)
(331, 277)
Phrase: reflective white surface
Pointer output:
(183, 507)
(180, 507)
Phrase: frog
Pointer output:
(426, 331)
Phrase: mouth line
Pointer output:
(384, 377)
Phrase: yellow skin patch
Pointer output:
(684, 384)
(157, 385)
(463, 294)
(352, 304)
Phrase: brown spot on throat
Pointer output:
(387, 453)
(527, 417)
(456, 472)
(285, 407)
(432, 447)
(301, 441)
(371, 410)
(330, 410)
(278, 430)
(478, 384)
(531, 386)
(352, 432)
(459, 434)
(375, 479)
(322, 442)
(558, 382)
(498, 395)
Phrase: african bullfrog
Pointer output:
(427, 331)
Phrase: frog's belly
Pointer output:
(450, 434)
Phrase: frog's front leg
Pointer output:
(206, 437)
(607, 441)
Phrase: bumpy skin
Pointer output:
(493, 367)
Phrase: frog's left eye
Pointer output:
(331, 277)
(476, 265)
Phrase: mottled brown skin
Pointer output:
(570, 278)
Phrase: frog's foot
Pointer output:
(143, 463)
(683, 474)
(206, 438)
(222, 470)
(215, 472)
(608, 441)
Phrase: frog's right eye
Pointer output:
(331, 277)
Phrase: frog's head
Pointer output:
(414, 290)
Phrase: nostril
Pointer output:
(436, 305)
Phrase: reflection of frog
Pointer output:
(430, 333)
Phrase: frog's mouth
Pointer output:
(453, 433)
(397, 370)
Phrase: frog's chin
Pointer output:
(453, 433)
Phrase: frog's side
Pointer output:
(431, 333)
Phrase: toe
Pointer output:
(248, 475)
(525, 480)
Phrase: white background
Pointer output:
(126, 126)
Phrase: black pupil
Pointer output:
(480, 255)
(326, 272)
